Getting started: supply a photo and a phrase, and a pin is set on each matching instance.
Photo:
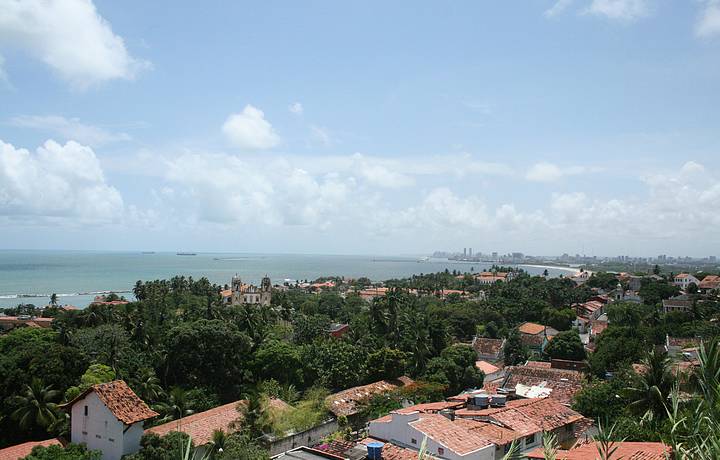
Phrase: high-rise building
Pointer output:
(470, 252)
(464, 252)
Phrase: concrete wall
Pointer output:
(100, 430)
(305, 438)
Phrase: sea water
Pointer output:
(78, 276)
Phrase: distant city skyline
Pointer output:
(542, 127)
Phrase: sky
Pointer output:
(404, 127)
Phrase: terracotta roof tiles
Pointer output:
(23, 450)
(200, 426)
(119, 398)
(488, 347)
(625, 450)
(347, 402)
(563, 382)
(531, 328)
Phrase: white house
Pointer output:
(109, 417)
(445, 439)
(683, 280)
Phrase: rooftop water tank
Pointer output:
(374, 450)
(481, 400)
(499, 400)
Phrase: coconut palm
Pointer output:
(176, 406)
(37, 407)
(147, 386)
(650, 393)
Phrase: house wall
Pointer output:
(100, 430)
(306, 438)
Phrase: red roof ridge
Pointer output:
(119, 398)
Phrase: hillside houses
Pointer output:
(482, 429)
(488, 349)
(683, 280)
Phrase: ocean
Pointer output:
(78, 276)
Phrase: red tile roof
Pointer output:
(563, 382)
(37, 321)
(625, 450)
(393, 452)
(710, 282)
(496, 434)
(119, 398)
(486, 367)
(347, 402)
(538, 364)
(23, 450)
(527, 416)
(200, 426)
(598, 326)
(488, 347)
(531, 328)
(454, 436)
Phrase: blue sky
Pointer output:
(538, 126)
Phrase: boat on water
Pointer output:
(185, 254)
(424, 259)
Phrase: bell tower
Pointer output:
(237, 297)
(265, 291)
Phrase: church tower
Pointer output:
(265, 291)
(237, 297)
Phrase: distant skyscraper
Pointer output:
(464, 252)
(470, 252)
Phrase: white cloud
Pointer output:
(69, 128)
(549, 172)
(623, 10)
(224, 189)
(250, 130)
(296, 108)
(57, 181)
(70, 37)
(558, 7)
(708, 24)
(380, 173)
(321, 135)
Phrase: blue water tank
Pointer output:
(375, 450)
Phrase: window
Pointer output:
(530, 439)
(111, 440)
(441, 451)
(507, 448)
(413, 440)
(86, 411)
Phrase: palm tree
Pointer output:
(176, 407)
(37, 406)
(706, 378)
(650, 394)
(605, 442)
(53, 300)
(550, 445)
(148, 387)
(219, 439)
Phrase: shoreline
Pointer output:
(555, 267)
